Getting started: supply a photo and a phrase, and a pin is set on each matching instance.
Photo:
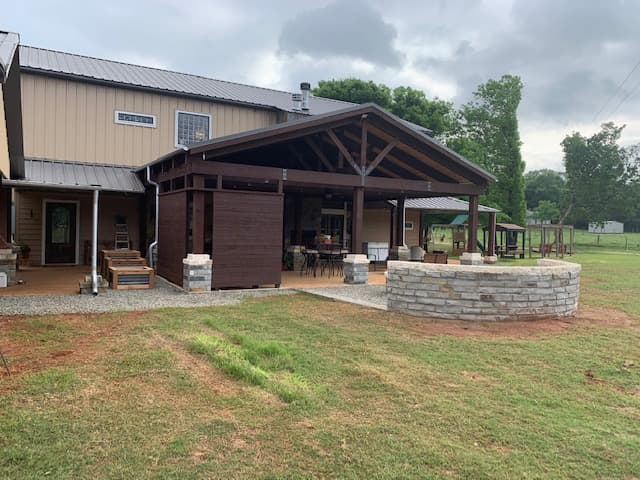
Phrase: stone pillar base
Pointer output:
(8, 265)
(196, 272)
(399, 253)
(491, 259)
(356, 269)
(469, 258)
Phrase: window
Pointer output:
(408, 225)
(192, 128)
(138, 119)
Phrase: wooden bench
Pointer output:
(436, 257)
(130, 278)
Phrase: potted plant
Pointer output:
(287, 261)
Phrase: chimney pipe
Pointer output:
(306, 91)
(296, 98)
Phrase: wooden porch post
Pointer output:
(357, 219)
(421, 231)
(197, 222)
(400, 223)
(472, 238)
(491, 244)
(297, 207)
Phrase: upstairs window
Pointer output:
(192, 128)
(138, 119)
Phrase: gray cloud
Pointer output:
(570, 57)
(351, 29)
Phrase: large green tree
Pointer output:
(408, 103)
(355, 90)
(602, 176)
(541, 185)
(489, 137)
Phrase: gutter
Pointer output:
(153, 244)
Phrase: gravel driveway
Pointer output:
(164, 294)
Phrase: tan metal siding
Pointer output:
(29, 213)
(70, 120)
(4, 146)
(376, 226)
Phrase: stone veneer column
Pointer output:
(356, 269)
(8, 264)
(196, 272)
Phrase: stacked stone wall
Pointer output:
(481, 293)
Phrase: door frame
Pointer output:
(43, 254)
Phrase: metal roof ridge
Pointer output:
(73, 162)
(195, 75)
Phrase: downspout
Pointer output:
(153, 244)
(94, 244)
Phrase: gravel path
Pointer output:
(163, 294)
(373, 296)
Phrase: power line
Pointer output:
(631, 92)
(616, 92)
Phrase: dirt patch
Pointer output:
(355, 317)
(89, 337)
(199, 368)
(597, 316)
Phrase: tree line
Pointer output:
(601, 180)
(485, 130)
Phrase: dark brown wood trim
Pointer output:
(364, 144)
(411, 187)
(294, 151)
(319, 153)
(345, 151)
(472, 239)
(357, 218)
(381, 156)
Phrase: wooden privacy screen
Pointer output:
(172, 235)
(247, 238)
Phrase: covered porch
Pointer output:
(66, 212)
(245, 198)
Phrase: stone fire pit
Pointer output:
(482, 292)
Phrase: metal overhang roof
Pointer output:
(43, 173)
(443, 204)
(8, 45)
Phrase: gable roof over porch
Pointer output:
(362, 146)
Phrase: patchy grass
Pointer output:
(300, 387)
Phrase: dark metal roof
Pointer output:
(8, 45)
(273, 133)
(97, 69)
(442, 204)
(41, 173)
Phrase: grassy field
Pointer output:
(300, 387)
(584, 241)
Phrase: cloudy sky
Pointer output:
(572, 55)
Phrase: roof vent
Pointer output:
(306, 91)
(296, 98)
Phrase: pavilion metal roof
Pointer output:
(444, 204)
(43, 173)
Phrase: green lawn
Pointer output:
(300, 387)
